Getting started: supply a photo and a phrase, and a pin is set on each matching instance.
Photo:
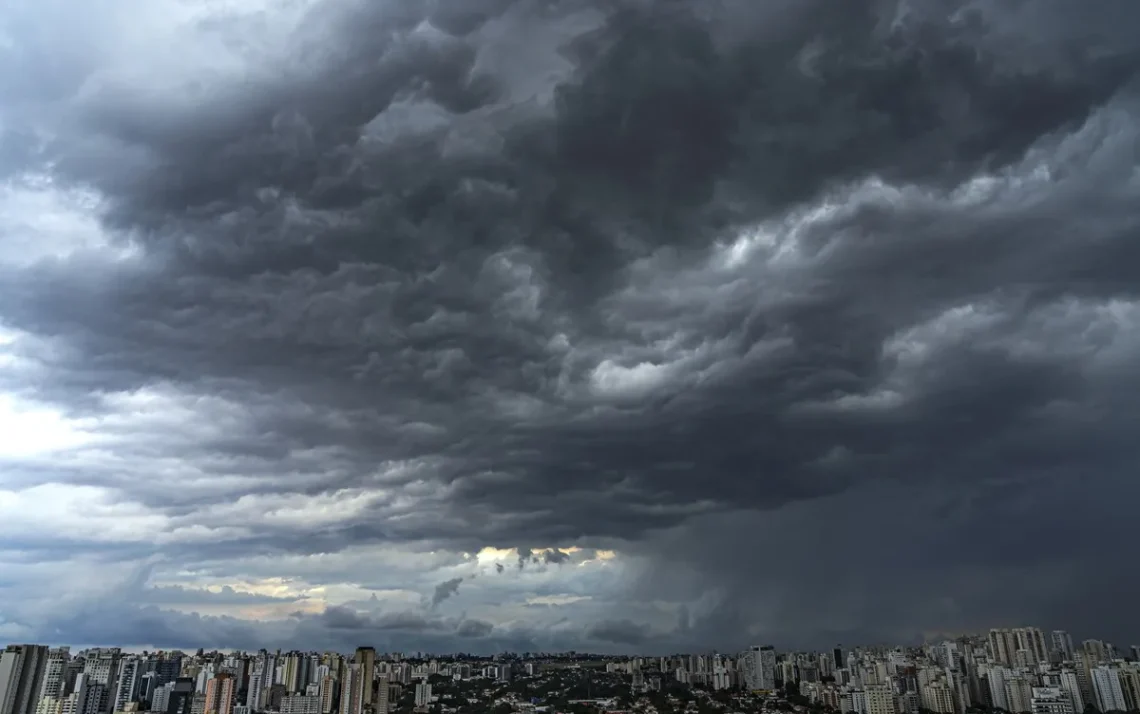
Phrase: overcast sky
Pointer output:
(622, 325)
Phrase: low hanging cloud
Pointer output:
(393, 287)
(555, 556)
(474, 628)
(621, 632)
(445, 590)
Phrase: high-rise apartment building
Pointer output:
(327, 693)
(938, 697)
(205, 674)
(168, 668)
(880, 699)
(760, 668)
(1082, 667)
(1098, 651)
(1130, 685)
(180, 700)
(1063, 645)
(148, 683)
(161, 697)
(71, 673)
(102, 668)
(1000, 647)
(130, 677)
(291, 672)
(273, 696)
(76, 700)
(220, 694)
(423, 694)
(997, 677)
(1071, 686)
(21, 678)
(1019, 693)
(253, 692)
(1032, 641)
(55, 673)
(352, 690)
(1106, 687)
(97, 697)
(383, 684)
(366, 658)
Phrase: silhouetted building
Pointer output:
(181, 696)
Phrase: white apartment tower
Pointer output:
(880, 699)
(997, 677)
(938, 697)
(1106, 687)
(55, 673)
(253, 692)
(423, 694)
(102, 668)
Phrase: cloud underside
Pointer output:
(825, 321)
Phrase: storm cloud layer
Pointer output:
(797, 322)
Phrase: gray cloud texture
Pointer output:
(445, 590)
(782, 302)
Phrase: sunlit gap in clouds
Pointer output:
(42, 221)
(491, 555)
(29, 430)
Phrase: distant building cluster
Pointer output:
(37, 680)
(1015, 670)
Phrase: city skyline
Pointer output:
(550, 325)
(1019, 670)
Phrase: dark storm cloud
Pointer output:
(555, 556)
(445, 590)
(474, 628)
(941, 549)
(622, 632)
(341, 618)
(525, 307)
(151, 626)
